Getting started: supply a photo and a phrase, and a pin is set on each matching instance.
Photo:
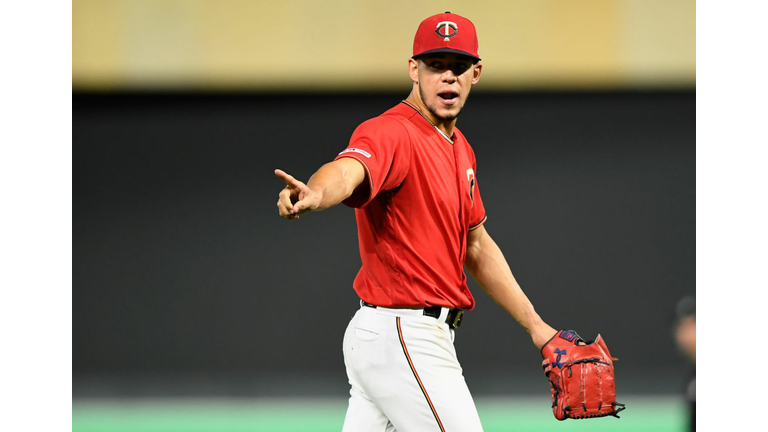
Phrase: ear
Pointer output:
(413, 70)
(476, 73)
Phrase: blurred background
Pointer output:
(195, 307)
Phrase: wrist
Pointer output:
(542, 334)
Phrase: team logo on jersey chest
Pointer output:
(471, 180)
(447, 30)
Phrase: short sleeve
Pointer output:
(382, 145)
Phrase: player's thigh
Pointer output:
(431, 393)
(364, 345)
(363, 415)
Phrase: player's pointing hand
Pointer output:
(296, 198)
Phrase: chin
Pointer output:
(443, 113)
(449, 115)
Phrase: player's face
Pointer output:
(444, 81)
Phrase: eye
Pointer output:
(460, 68)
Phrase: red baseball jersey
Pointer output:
(419, 201)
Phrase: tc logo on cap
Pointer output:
(447, 29)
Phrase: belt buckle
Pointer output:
(454, 318)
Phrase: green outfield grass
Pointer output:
(658, 414)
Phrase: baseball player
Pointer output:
(411, 176)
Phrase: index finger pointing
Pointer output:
(287, 178)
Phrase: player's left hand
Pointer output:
(296, 198)
(581, 377)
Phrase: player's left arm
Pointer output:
(486, 263)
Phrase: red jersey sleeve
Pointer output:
(382, 145)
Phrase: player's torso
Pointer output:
(439, 183)
(422, 225)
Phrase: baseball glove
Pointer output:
(581, 377)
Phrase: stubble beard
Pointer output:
(433, 110)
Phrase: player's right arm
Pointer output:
(329, 186)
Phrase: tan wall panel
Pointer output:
(364, 45)
(553, 42)
(660, 41)
(96, 42)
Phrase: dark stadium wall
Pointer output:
(183, 272)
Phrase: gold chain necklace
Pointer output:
(445, 135)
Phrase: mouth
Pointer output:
(448, 97)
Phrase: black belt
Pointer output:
(453, 319)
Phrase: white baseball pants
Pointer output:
(404, 374)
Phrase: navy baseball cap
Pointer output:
(446, 33)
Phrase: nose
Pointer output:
(449, 76)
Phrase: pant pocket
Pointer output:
(365, 335)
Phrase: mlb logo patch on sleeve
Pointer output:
(362, 152)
